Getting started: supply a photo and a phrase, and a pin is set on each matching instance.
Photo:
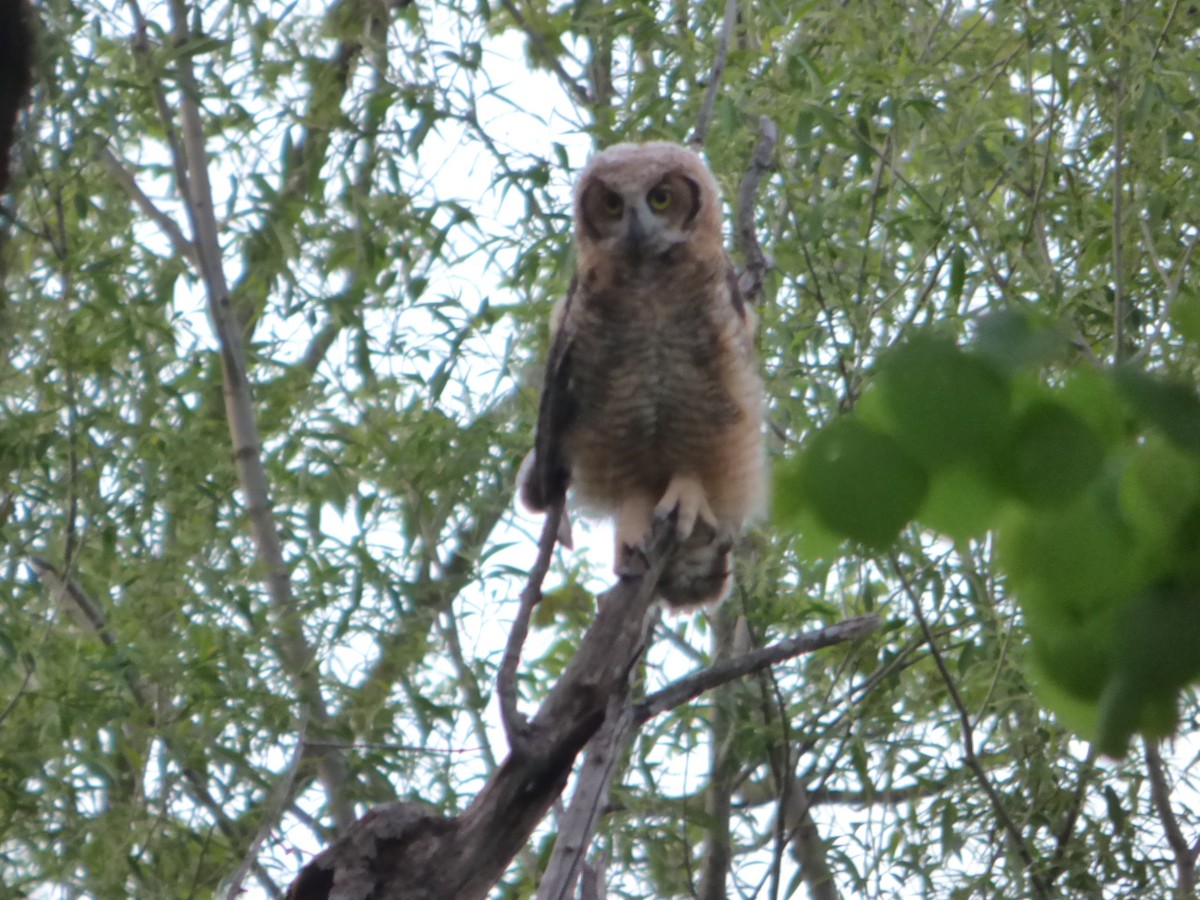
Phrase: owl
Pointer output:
(652, 403)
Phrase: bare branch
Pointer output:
(314, 353)
(1160, 794)
(293, 649)
(125, 180)
(808, 848)
(592, 882)
(577, 826)
(745, 235)
(717, 858)
(692, 686)
(416, 855)
(273, 810)
(515, 723)
(700, 135)
(968, 738)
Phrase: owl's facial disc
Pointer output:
(646, 218)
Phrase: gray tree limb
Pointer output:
(292, 647)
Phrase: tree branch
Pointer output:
(745, 235)
(712, 883)
(515, 723)
(1160, 794)
(968, 738)
(413, 854)
(547, 56)
(272, 811)
(808, 848)
(288, 637)
(700, 134)
(125, 180)
(692, 686)
(577, 826)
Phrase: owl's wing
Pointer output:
(549, 472)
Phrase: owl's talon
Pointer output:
(686, 503)
(632, 562)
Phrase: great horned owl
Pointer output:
(652, 404)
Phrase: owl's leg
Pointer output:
(634, 519)
(686, 499)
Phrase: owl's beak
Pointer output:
(635, 234)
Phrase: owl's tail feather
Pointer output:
(534, 497)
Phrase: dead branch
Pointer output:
(417, 855)
(745, 235)
(577, 825)
(515, 724)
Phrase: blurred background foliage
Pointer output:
(392, 185)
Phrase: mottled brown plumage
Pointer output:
(652, 403)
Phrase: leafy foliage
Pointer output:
(391, 187)
(1095, 526)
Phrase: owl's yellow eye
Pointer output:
(613, 204)
(659, 198)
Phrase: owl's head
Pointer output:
(643, 200)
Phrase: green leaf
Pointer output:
(1014, 341)
(1073, 563)
(1185, 316)
(1054, 455)
(1159, 489)
(945, 405)
(1172, 407)
(1157, 653)
(958, 276)
(861, 483)
(962, 502)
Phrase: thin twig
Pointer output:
(1118, 215)
(515, 723)
(88, 614)
(700, 134)
(547, 56)
(274, 809)
(20, 692)
(1064, 835)
(745, 235)
(81, 607)
(1160, 794)
(692, 686)
(125, 180)
(141, 48)
(968, 739)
